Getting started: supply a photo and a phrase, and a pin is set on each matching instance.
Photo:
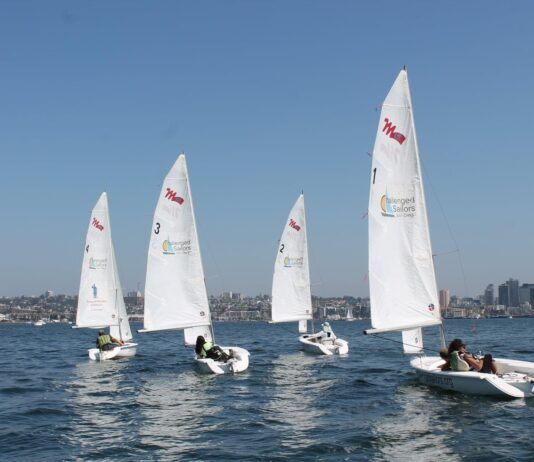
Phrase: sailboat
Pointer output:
(175, 291)
(350, 317)
(291, 293)
(402, 279)
(100, 300)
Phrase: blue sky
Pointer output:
(266, 99)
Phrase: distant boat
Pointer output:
(175, 291)
(291, 293)
(350, 317)
(402, 281)
(39, 323)
(100, 300)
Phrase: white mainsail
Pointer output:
(175, 291)
(291, 295)
(401, 271)
(100, 300)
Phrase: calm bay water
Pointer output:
(55, 404)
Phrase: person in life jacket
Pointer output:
(461, 360)
(106, 342)
(327, 331)
(206, 349)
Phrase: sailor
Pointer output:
(106, 342)
(206, 349)
(329, 333)
(461, 360)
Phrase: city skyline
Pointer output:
(266, 99)
(521, 292)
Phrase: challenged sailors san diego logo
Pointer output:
(98, 263)
(396, 207)
(176, 247)
(290, 262)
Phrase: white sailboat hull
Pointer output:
(238, 363)
(514, 379)
(323, 346)
(123, 351)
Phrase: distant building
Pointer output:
(513, 292)
(504, 298)
(134, 298)
(526, 294)
(444, 298)
(489, 298)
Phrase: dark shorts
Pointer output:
(216, 353)
(108, 346)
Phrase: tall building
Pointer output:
(444, 298)
(526, 294)
(489, 298)
(513, 292)
(504, 299)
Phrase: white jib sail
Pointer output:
(291, 295)
(175, 291)
(401, 271)
(412, 341)
(100, 300)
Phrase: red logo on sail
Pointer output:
(293, 224)
(97, 224)
(172, 196)
(389, 128)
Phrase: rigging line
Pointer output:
(281, 326)
(214, 261)
(447, 223)
(402, 343)
(439, 254)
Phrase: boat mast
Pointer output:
(111, 253)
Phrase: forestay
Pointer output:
(100, 300)
(175, 292)
(291, 295)
(401, 271)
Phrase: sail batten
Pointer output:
(402, 280)
(175, 291)
(291, 294)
